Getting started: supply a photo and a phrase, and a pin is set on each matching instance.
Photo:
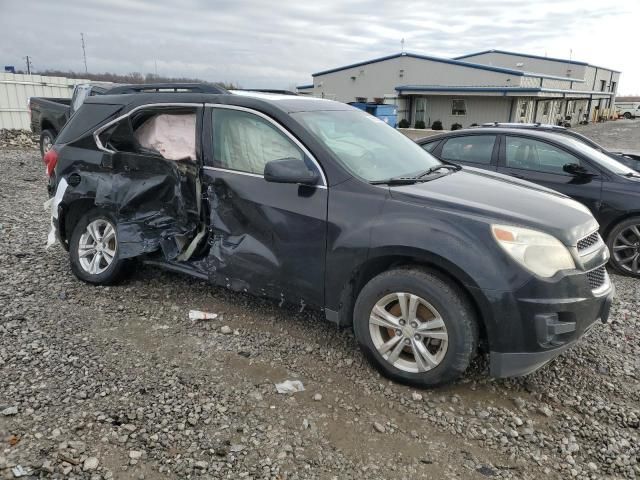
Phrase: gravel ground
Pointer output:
(620, 135)
(117, 382)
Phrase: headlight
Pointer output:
(538, 252)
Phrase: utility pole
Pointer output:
(84, 53)
(29, 64)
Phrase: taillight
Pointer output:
(50, 160)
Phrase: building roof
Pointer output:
(627, 99)
(537, 57)
(503, 90)
(449, 61)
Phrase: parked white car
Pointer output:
(628, 109)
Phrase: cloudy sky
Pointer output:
(258, 43)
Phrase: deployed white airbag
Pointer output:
(171, 135)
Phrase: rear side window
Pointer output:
(86, 119)
(529, 154)
(246, 142)
(471, 149)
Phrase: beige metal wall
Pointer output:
(15, 90)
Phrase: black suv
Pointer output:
(609, 189)
(318, 204)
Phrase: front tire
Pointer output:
(47, 139)
(627, 115)
(94, 250)
(624, 245)
(415, 327)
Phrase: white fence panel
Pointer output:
(15, 90)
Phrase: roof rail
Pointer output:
(166, 87)
(267, 90)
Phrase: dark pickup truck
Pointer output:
(49, 115)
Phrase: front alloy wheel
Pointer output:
(415, 326)
(408, 332)
(626, 249)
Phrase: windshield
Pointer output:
(366, 146)
(600, 158)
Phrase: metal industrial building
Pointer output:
(488, 86)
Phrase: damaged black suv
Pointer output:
(315, 203)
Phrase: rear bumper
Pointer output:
(538, 329)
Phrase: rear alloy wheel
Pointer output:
(627, 115)
(624, 244)
(94, 249)
(415, 327)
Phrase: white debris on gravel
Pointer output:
(290, 386)
(199, 315)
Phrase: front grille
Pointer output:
(597, 277)
(589, 241)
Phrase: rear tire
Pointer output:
(624, 245)
(415, 327)
(627, 115)
(47, 139)
(94, 250)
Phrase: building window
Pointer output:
(545, 108)
(523, 109)
(458, 107)
(603, 85)
(613, 87)
(558, 107)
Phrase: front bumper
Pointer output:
(542, 320)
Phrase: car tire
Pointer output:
(627, 115)
(94, 250)
(444, 326)
(47, 139)
(624, 244)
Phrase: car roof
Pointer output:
(523, 132)
(258, 100)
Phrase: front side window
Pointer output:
(458, 107)
(246, 142)
(472, 149)
(529, 154)
(366, 146)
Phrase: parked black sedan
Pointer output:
(608, 188)
(630, 159)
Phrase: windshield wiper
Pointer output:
(397, 181)
(455, 168)
(417, 178)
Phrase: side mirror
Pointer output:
(576, 169)
(290, 170)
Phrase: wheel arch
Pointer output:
(617, 221)
(70, 215)
(445, 269)
(47, 125)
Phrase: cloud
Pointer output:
(266, 44)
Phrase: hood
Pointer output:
(503, 199)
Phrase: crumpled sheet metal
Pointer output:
(153, 202)
(173, 136)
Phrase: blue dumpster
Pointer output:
(387, 113)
